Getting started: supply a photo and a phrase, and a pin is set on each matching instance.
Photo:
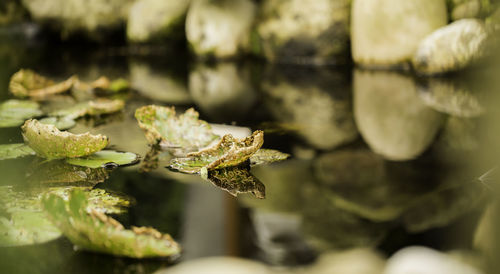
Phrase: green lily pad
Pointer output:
(26, 83)
(92, 108)
(228, 152)
(27, 223)
(163, 127)
(12, 151)
(94, 231)
(13, 112)
(48, 142)
(61, 123)
(236, 180)
(101, 158)
(267, 156)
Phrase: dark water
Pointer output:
(379, 159)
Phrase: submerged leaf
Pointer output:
(163, 127)
(26, 83)
(92, 108)
(228, 152)
(13, 112)
(236, 180)
(26, 228)
(94, 231)
(61, 123)
(267, 156)
(12, 151)
(48, 142)
(101, 158)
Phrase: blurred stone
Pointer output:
(11, 11)
(386, 33)
(70, 16)
(316, 102)
(158, 84)
(153, 20)
(486, 236)
(450, 96)
(223, 91)
(220, 28)
(391, 118)
(460, 134)
(461, 9)
(351, 261)
(316, 32)
(218, 265)
(451, 48)
(422, 260)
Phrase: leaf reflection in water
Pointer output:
(237, 180)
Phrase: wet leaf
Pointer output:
(13, 112)
(12, 151)
(26, 83)
(94, 231)
(236, 180)
(267, 156)
(101, 158)
(48, 142)
(228, 152)
(61, 123)
(27, 223)
(163, 127)
(92, 108)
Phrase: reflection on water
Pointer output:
(380, 161)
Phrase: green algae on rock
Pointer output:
(267, 156)
(236, 180)
(163, 127)
(48, 142)
(12, 151)
(94, 231)
(104, 157)
(27, 83)
(228, 152)
(14, 112)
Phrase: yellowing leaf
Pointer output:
(27, 83)
(48, 142)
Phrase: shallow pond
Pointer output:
(380, 160)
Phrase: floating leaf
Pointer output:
(27, 223)
(236, 180)
(119, 85)
(26, 83)
(104, 157)
(163, 127)
(61, 123)
(47, 141)
(13, 113)
(94, 231)
(94, 107)
(12, 151)
(228, 152)
(267, 156)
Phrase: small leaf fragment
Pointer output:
(236, 180)
(48, 142)
(103, 157)
(13, 112)
(163, 127)
(228, 152)
(27, 83)
(119, 85)
(12, 151)
(94, 231)
(267, 156)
